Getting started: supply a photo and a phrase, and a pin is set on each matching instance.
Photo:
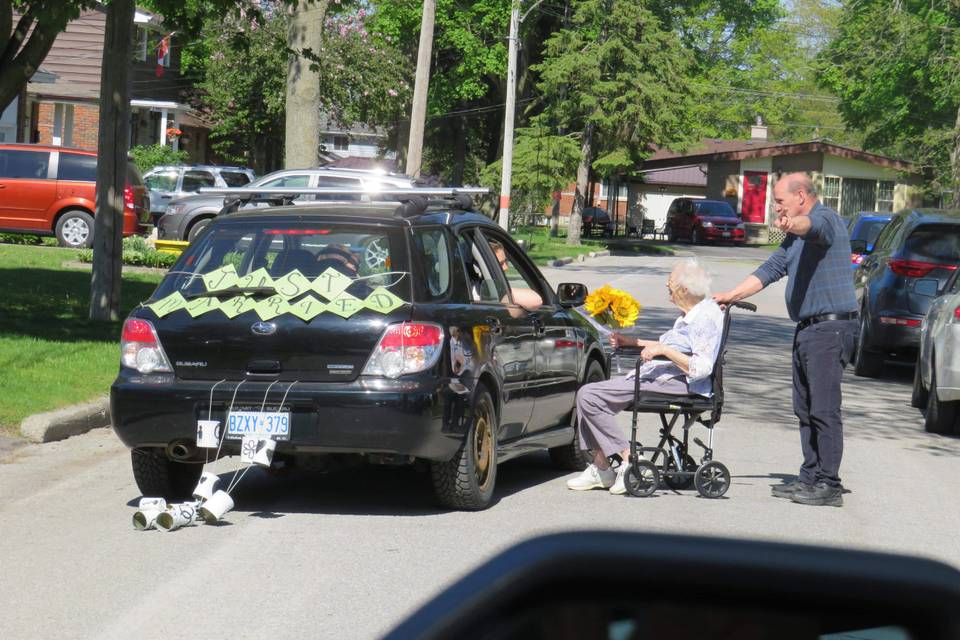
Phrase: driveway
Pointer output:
(358, 550)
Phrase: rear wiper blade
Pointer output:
(231, 291)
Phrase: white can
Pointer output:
(264, 454)
(176, 516)
(215, 508)
(206, 486)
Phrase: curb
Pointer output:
(559, 262)
(66, 422)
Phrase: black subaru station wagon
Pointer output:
(379, 332)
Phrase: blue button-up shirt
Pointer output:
(697, 333)
(818, 266)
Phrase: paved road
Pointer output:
(348, 555)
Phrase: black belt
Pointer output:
(826, 317)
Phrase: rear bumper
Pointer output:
(135, 223)
(419, 416)
(892, 337)
(717, 235)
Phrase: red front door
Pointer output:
(755, 196)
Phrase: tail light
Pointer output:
(140, 348)
(916, 268)
(128, 202)
(956, 314)
(901, 322)
(407, 347)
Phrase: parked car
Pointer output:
(596, 222)
(936, 378)
(47, 190)
(917, 244)
(417, 360)
(699, 221)
(865, 226)
(186, 217)
(169, 182)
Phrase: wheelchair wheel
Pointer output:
(681, 482)
(712, 479)
(641, 479)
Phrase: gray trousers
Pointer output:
(598, 404)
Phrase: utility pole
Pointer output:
(418, 115)
(509, 116)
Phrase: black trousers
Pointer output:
(820, 353)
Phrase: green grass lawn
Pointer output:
(51, 355)
(542, 248)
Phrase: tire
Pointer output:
(712, 479)
(571, 457)
(158, 476)
(198, 228)
(918, 397)
(695, 236)
(941, 416)
(75, 230)
(642, 479)
(467, 480)
(867, 363)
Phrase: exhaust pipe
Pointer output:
(181, 450)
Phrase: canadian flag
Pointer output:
(162, 50)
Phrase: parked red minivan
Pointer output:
(698, 221)
(46, 190)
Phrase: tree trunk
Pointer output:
(583, 174)
(555, 214)
(20, 56)
(302, 140)
(955, 163)
(112, 144)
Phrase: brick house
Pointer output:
(62, 108)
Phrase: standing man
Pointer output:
(820, 298)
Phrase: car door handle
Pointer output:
(496, 327)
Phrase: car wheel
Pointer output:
(571, 457)
(198, 228)
(159, 476)
(695, 236)
(941, 416)
(867, 363)
(375, 255)
(918, 398)
(75, 230)
(467, 481)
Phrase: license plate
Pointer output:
(726, 234)
(273, 424)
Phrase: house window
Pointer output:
(341, 143)
(885, 195)
(831, 192)
(140, 44)
(164, 44)
(62, 125)
(605, 190)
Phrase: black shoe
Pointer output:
(819, 495)
(787, 490)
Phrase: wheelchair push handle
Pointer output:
(748, 306)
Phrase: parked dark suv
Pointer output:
(916, 244)
(354, 331)
(700, 221)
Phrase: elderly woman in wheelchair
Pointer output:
(679, 363)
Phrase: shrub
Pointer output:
(19, 238)
(137, 253)
(148, 157)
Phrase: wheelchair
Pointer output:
(671, 460)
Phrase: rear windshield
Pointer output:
(235, 178)
(721, 209)
(868, 230)
(240, 264)
(934, 243)
(133, 175)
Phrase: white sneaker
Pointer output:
(619, 488)
(592, 478)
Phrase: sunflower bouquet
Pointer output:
(613, 307)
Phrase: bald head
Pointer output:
(794, 195)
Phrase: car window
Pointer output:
(17, 163)
(235, 178)
(334, 183)
(869, 231)
(435, 255)
(162, 181)
(720, 209)
(934, 243)
(362, 259)
(296, 180)
(193, 180)
(486, 285)
(512, 267)
(74, 166)
(886, 236)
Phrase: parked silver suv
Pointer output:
(167, 183)
(187, 217)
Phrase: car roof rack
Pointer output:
(413, 201)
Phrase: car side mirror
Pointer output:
(858, 246)
(571, 294)
(927, 287)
